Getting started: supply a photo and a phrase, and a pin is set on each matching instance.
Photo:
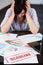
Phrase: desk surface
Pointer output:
(21, 32)
(40, 57)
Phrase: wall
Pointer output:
(36, 1)
(4, 3)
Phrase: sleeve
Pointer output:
(34, 17)
(7, 15)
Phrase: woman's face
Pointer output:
(21, 15)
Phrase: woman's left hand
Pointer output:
(28, 6)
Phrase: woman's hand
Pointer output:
(28, 9)
(12, 8)
(28, 6)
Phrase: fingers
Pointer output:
(27, 3)
(12, 5)
(28, 6)
(13, 2)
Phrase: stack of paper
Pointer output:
(18, 54)
(15, 54)
(24, 38)
(14, 50)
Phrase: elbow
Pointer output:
(2, 30)
(35, 31)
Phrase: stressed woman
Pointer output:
(20, 17)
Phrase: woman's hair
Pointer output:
(19, 5)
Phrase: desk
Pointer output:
(40, 57)
(23, 33)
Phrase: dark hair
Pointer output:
(20, 1)
(19, 5)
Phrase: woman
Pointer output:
(20, 17)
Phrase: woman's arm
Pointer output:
(5, 27)
(33, 28)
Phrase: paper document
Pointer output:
(7, 36)
(19, 55)
(3, 46)
(23, 58)
(27, 60)
(30, 38)
(14, 48)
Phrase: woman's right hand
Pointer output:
(12, 8)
